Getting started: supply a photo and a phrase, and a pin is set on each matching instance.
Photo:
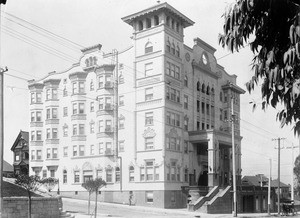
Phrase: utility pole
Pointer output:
(2, 70)
(269, 187)
(278, 191)
(233, 160)
(292, 183)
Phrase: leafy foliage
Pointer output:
(275, 26)
(30, 183)
(49, 183)
(297, 173)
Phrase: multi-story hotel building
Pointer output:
(149, 120)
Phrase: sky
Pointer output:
(30, 48)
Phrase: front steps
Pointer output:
(216, 201)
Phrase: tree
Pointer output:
(89, 186)
(31, 184)
(297, 174)
(275, 29)
(49, 183)
(97, 184)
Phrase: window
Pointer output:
(65, 131)
(101, 103)
(142, 174)
(65, 92)
(48, 113)
(108, 148)
(148, 69)
(17, 157)
(87, 175)
(202, 107)
(177, 51)
(172, 94)
(225, 97)
(74, 88)
(38, 154)
(39, 135)
(186, 147)
(108, 175)
(32, 117)
(48, 133)
(92, 106)
(65, 151)
(99, 173)
(168, 46)
(121, 122)
(207, 109)
(148, 47)
(81, 129)
(148, 118)
(140, 24)
(92, 86)
(177, 72)
(54, 94)
(48, 94)
(149, 143)
(121, 79)
(156, 20)
(173, 171)
(76, 176)
(148, 94)
(121, 146)
(149, 170)
(65, 177)
(54, 153)
(75, 129)
(185, 81)
(221, 114)
(44, 173)
(101, 126)
(38, 116)
(221, 96)
(81, 88)
(186, 175)
(32, 98)
(148, 23)
(173, 46)
(38, 97)
(92, 127)
(185, 102)
(92, 151)
(186, 123)
(101, 82)
(74, 108)
(149, 197)
(52, 173)
(54, 133)
(108, 125)
(131, 174)
(173, 119)
(48, 153)
(81, 108)
(121, 100)
(225, 115)
(117, 174)
(101, 148)
(75, 151)
(81, 150)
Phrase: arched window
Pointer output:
(168, 21)
(177, 51)
(185, 81)
(148, 47)
(140, 25)
(148, 23)
(91, 61)
(203, 88)
(168, 46)
(131, 174)
(213, 91)
(156, 20)
(173, 48)
(208, 90)
(173, 24)
(198, 86)
(117, 174)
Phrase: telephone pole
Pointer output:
(292, 183)
(278, 191)
(269, 187)
(233, 161)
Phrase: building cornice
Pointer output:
(234, 87)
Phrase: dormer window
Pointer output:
(140, 25)
(148, 47)
(148, 23)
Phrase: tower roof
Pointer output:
(159, 7)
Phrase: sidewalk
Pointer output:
(165, 211)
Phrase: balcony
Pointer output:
(36, 124)
(78, 138)
(52, 141)
(52, 162)
(78, 117)
(36, 163)
(52, 121)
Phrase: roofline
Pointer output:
(165, 5)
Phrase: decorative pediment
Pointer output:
(108, 167)
(76, 168)
(149, 133)
(99, 167)
(87, 166)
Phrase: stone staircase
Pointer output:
(217, 200)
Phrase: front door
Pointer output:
(203, 179)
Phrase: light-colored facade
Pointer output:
(173, 111)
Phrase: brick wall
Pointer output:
(45, 207)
